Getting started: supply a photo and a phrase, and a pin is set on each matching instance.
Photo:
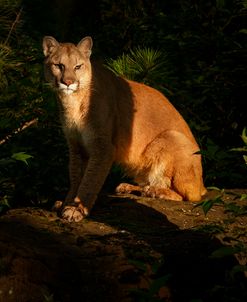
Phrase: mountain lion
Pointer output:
(109, 119)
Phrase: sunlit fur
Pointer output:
(108, 119)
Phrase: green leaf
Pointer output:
(220, 3)
(157, 265)
(225, 251)
(240, 149)
(208, 204)
(244, 136)
(243, 31)
(4, 204)
(214, 188)
(238, 269)
(138, 264)
(6, 162)
(158, 283)
(236, 209)
(244, 3)
(210, 229)
(21, 156)
(243, 197)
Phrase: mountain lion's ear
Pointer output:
(85, 46)
(49, 44)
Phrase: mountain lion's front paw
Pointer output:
(74, 213)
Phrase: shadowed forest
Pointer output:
(194, 52)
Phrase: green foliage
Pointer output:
(8, 15)
(243, 197)
(29, 121)
(7, 27)
(6, 182)
(239, 249)
(231, 207)
(143, 65)
(235, 209)
(49, 298)
(244, 148)
(21, 156)
(208, 204)
(4, 204)
(6, 63)
(238, 269)
(155, 284)
(229, 250)
(220, 163)
(211, 229)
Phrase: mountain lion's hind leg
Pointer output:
(175, 171)
(125, 188)
(148, 191)
(162, 193)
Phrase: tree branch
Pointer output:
(18, 130)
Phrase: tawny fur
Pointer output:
(109, 119)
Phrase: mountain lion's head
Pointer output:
(67, 66)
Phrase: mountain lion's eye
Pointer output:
(59, 66)
(78, 67)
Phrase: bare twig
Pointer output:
(13, 26)
(18, 130)
(229, 21)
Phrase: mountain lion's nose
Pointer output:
(67, 81)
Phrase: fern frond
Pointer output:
(122, 66)
(141, 64)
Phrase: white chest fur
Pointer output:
(74, 112)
